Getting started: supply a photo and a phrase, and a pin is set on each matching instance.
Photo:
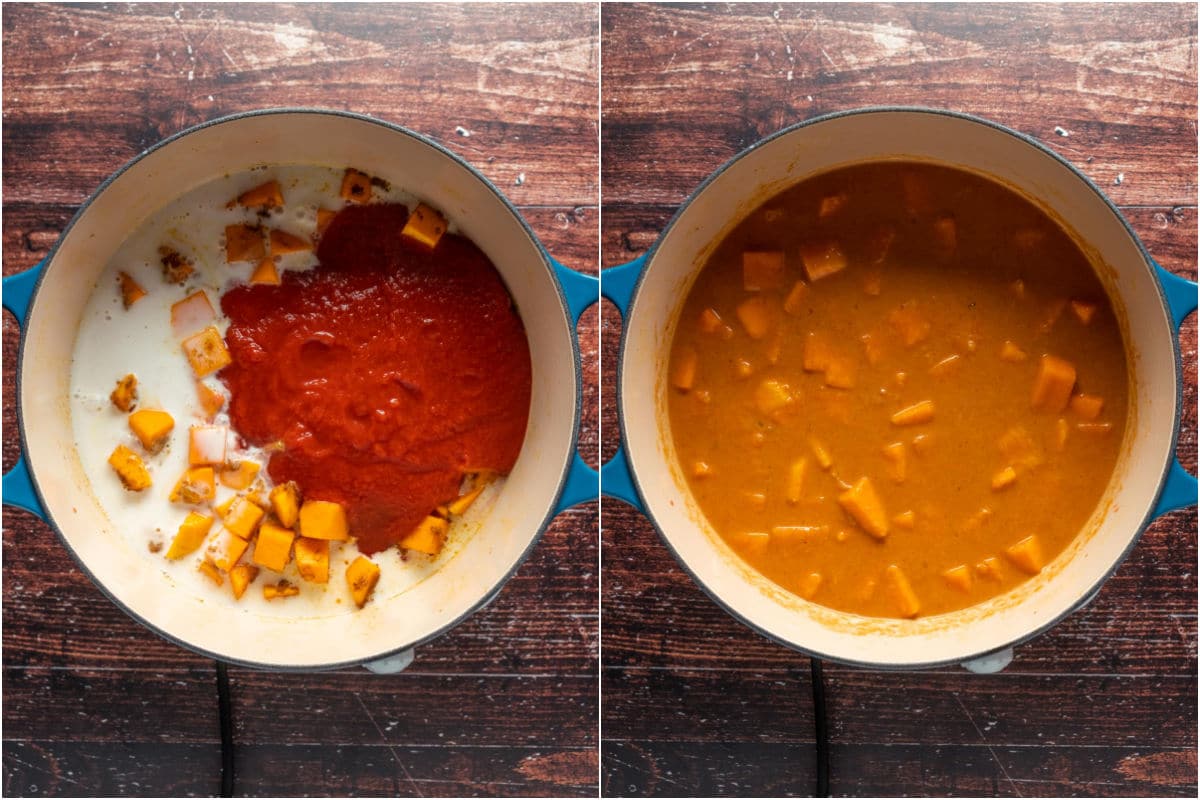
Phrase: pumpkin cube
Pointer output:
(224, 549)
(241, 577)
(1053, 384)
(959, 577)
(822, 259)
(817, 352)
(1027, 555)
(244, 243)
(459, 506)
(241, 476)
(283, 243)
(683, 373)
(210, 570)
(809, 585)
(795, 480)
(285, 502)
(864, 505)
(190, 535)
(362, 576)
(243, 517)
(794, 302)
(324, 217)
(1087, 406)
(321, 519)
(131, 290)
(211, 400)
(151, 428)
(762, 270)
(428, 537)
(1004, 478)
(1083, 310)
(755, 316)
(206, 352)
(191, 313)
(425, 226)
(1011, 353)
(772, 396)
(904, 599)
(283, 588)
(266, 195)
(206, 444)
(273, 547)
(196, 486)
(124, 396)
(265, 273)
(312, 559)
(175, 268)
(915, 414)
(356, 186)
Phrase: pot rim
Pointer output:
(1088, 594)
(547, 262)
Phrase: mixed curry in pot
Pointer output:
(898, 389)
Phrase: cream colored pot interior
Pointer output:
(839, 141)
(388, 623)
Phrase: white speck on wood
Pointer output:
(461, 131)
(1119, 179)
(520, 179)
(1061, 131)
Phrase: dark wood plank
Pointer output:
(94, 700)
(693, 701)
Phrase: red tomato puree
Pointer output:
(387, 372)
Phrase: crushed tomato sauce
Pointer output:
(387, 372)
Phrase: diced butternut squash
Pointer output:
(1052, 313)
(775, 348)
(240, 577)
(282, 588)
(206, 444)
(151, 427)
(831, 204)
(901, 593)
(190, 535)
(945, 234)
(743, 368)
(897, 456)
(124, 396)
(755, 316)
(425, 226)
(710, 321)
(196, 486)
(223, 507)
(701, 469)
(266, 195)
(817, 352)
(285, 502)
(916, 414)
(131, 290)
(209, 570)
(206, 352)
(946, 366)
(356, 186)
(225, 549)
(683, 373)
(762, 270)
(211, 401)
(324, 217)
(989, 568)
(794, 302)
(864, 505)
(273, 547)
(428, 537)
(312, 559)
(1003, 479)
(772, 396)
(840, 373)
(283, 243)
(1019, 448)
(822, 259)
(1084, 310)
(191, 314)
(1011, 353)
(809, 585)
(1053, 384)
(243, 517)
(244, 243)
(922, 443)
(362, 575)
(910, 323)
(265, 273)
(821, 453)
(460, 504)
(959, 577)
(322, 519)
(1087, 406)
(756, 501)
(753, 543)
(1027, 555)
(905, 519)
(795, 480)
(175, 268)
(240, 476)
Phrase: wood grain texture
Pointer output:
(506, 703)
(693, 702)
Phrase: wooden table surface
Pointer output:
(506, 703)
(692, 701)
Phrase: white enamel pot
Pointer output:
(1148, 481)
(548, 476)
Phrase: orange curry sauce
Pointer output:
(383, 375)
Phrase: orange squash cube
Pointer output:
(959, 577)
(1011, 353)
(240, 577)
(1027, 555)
(794, 302)
(356, 186)
(425, 226)
(901, 592)
(324, 217)
(283, 588)
(817, 353)
(206, 444)
(124, 395)
(428, 537)
(459, 505)
(267, 195)
(191, 313)
(206, 352)
(1004, 478)
(321, 519)
(683, 373)
(241, 476)
(864, 505)
(196, 486)
(822, 259)
(285, 502)
(131, 290)
(224, 549)
(905, 519)
(283, 243)
(265, 273)
(362, 575)
(151, 427)
(273, 547)
(243, 517)
(915, 414)
(190, 535)
(795, 480)
(1053, 384)
(755, 316)
(810, 584)
(312, 559)
(897, 455)
(1087, 406)
(1084, 311)
(211, 400)
(762, 270)
(244, 243)
(772, 396)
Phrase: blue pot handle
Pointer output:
(1179, 489)
(616, 479)
(583, 482)
(18, 488)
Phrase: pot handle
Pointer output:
(617, 284)
(1179, 489)
(18, 487)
